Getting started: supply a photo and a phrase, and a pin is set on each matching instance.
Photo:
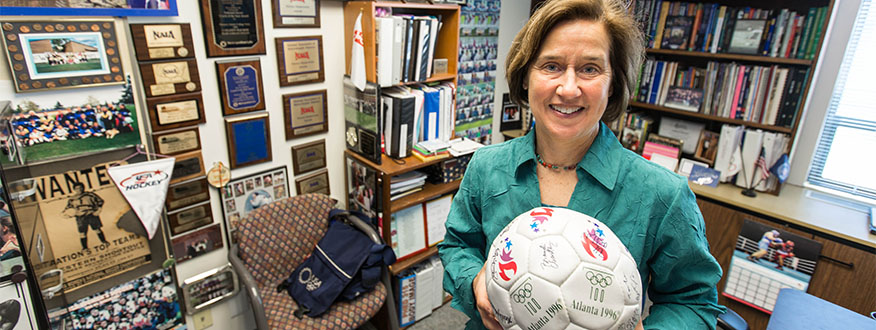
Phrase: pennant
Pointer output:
(357, 66)
(781, 168)
(144, 186)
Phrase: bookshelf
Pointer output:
(704, 60)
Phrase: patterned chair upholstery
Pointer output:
(273, 241)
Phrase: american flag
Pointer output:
(761, 164)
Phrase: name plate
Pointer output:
(240, 84)
(314, 183)
(162, 41)
(170, 77)
(305, 113)
(169, 112)
(233, 27)
(187, 193)
(300, 60)
(177, 142)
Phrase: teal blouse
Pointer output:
(651, 210)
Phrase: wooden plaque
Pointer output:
(162, 41)
(299, 60)
(233, 27)
(313, 183)
(307, 157)
(177, 142)
(190, 218)
(169, 112)
(170, 77)
(187, 193)
(249, 140)
(189, 165)
(295, 13)
(305, 113)
(240, 85)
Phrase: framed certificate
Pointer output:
(187, 193)
(233, 27)
(189, 165)
(308, 156)
(177, 142)
(295, 13)
(170, 77)
(299, 60)
(249, 140)
(162, 41)
(313, 183)
(305, 113)
(169, 112)
(190, 218)
(240, 84)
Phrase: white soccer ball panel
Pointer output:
(630, 318)
(572, 326)
(515, 327)
(594, 296)
(538, 304)
(501, 302)
(592, 242)
(541, 221)
(630, 279)
(552, 258)
(507, 260)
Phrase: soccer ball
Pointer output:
(554, 268)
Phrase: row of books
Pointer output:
(715, 28)
(762, 94)
(405, 48)
(635, 128)
(420, 290)
(416, 114)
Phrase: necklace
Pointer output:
(553, 166)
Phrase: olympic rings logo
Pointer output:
(599, 279)
(520, 295)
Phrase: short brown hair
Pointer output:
(625, 53)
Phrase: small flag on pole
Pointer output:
(781, 168)
(357, 66)
(762, 166)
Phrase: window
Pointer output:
(844, 157)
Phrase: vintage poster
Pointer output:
(75, 217)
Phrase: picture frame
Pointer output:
(240, 85)
(295, 13)
(238, 31)
(177, 141)
(249, 140)
(683, 98)
(208, 288)
(175, 111)
(190, 218)
(317, 182)
(309, 156)
(170, 77)
(134, 8)
(188, 165)
(187, 193)
(707, 147)
(746, 37)
(511, 115)
(54, 54)
(242, 195)
(197, 243)
(300, 60)
(162, 41)
(305, 113)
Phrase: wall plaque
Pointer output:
(187, 193)
(240, 84)
(176, 142)
(305, 113)
(162, 41)
(170, 77)
(169, 112)
(233, 27)
(308, 156)
(299, 60)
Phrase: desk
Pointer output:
(796, 309)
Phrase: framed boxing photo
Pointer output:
(249, 140)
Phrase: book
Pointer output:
(677, 32)
(683, 98)
(746, 36)
(664, 12)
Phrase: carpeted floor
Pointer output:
(445, 318)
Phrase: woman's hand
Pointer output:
(479, 288)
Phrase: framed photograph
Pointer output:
(363, 188)
(305, 113)
(676, 33)
(511, 115)
(241, 196)
(91, 8)
(170, 77)
(197, 243)
(208, 288)
(233, 27)
(169, 112)
(299, 60)
(295, 13)
(177, 142)
(707, 147)
(16, 306)
(249, 140)
(62, 54)
(240, 85)
(190, 218)
(308, 157)
(187, 193)
(682, 98)
(313, 183)
(162, 41)
(746, 36)
(189, 165)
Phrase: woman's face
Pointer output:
(568, 84)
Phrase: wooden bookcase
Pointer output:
(700, 59)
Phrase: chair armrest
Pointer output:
(365, 228)
(250, 286)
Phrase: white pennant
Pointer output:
(144, 186)
(357, 67)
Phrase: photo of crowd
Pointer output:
(149, 302)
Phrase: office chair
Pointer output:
(729, 320)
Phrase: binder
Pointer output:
(385, 28)
(408, 44)
(411, 52)
(424, 41)
(431, 112)
(398, 34)
(399, 138)
(434, 33)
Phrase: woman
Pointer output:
(574, 63)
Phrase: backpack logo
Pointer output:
(311, 282)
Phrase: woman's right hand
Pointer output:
(479, 287)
